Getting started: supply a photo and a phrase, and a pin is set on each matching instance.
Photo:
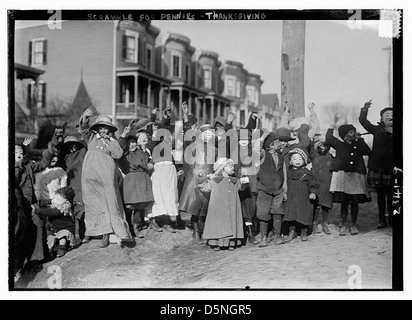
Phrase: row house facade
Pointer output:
(129, 68)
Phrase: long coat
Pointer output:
(100, 187)
(224, 215)
(321, 168)
(382, 148)
(301, 182)
(137, 185)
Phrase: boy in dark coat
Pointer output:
(380, 163)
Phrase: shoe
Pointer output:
(342, 231)
(251, 237)
(217, 248)
(61, 251)
(231, 248)
(86, 239)
(382, 224)
(105, 241)
(264, 242)
(292, 234)
(316, 229)
(153, 225)
(196, 236)
(138, 233)
(353, 230)
(304, 235)
(169, 228)
(325, 229)
(278, 240)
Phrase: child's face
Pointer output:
(207, 136)
(53, 162)
(132, 145)
(103, 130)
(351, 135)
(229, 168)
(296, 160)
(276, 144)
(323, 149)
(387, 118)
(142, 139)
(18, 154)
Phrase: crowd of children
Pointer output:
(233, 184)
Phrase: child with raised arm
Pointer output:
(348, 183)
(101, 193)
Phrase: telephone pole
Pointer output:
(292, 74)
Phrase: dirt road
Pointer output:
(168, 261)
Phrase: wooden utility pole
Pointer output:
(292, 75)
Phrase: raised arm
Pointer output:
(314, 121)
(83, 126)
(366, 124)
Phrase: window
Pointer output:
(187, 74)
(242, 117)
(250, 95)
(256, 97)
(37, 51)
(176, 67)
(207, 77)
(126, 90)
(36, 95)
(237, 88)
(230, 82)
(129, 52)
(149, 59)
(132, 47)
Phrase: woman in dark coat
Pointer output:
(380, 161)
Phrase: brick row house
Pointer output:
(126, 68)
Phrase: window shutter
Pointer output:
(44, 51)
(30, 51)
(43, 97)
(29, 87)
(139, 51)
(124, 47)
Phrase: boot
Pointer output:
(196, 236)
(251, 236)
(153, 225)
(105, 241)
(201, 226)
(353, 229)
(382, 221)
(137, 231)
(325, 229)
(342, 230)
(278, 240)
(292, 234)
(316, 229)
(304, 235)
(263, 234)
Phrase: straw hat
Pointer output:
(104, 121)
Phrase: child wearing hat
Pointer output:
(101, 193)
(72, 156)
(61, 217)
(25, 171)
(348, 183)
(302, 188)
(380, 162)
(224, 223)
(271, 185)
(321, 164)
(136, 186)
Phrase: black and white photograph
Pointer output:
(205, 149)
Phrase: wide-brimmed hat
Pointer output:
(283, 134)
(104, 121)
(205, 127)
(220, 164)
(71, 139)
